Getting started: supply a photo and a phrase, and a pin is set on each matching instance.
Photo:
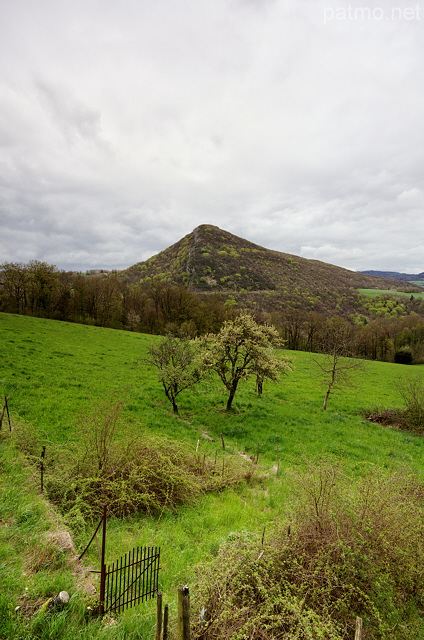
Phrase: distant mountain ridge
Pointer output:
(210, 259)
(408, 277)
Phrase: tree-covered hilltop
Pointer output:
(211, 259)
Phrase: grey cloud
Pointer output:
(71, 117)
(121, 129)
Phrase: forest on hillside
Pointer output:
(383, 327)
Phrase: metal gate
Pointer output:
(133, 578)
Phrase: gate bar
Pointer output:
(102, 565)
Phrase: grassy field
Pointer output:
(389, 292)
(54, 373)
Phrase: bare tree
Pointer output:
(411, 391)
(334, 360)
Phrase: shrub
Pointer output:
(404, 355)
(411, 391)
(150, 474)
(344, 554)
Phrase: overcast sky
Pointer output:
(296, 124)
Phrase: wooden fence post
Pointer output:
(43, 453)
(158, 616)
(165, 622)
(183, 613)
(5, 410)
(358, 630)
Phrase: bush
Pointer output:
(344, 554)
(150, 474)
(404, 355)
(411, 391)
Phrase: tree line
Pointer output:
(155, 306)
(244, 349)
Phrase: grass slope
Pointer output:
(53, 372)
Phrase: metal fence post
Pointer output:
(102, 564)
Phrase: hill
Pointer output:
(211, 259)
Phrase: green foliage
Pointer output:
(178, 365)
(145, 474)
(243, 348)
(343, 553)
(383, 293)
(56, 372)
(178, 285)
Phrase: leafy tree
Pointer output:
(13, 286)
(243, 348)
(43, 287)
(335, 364)
(178, 366)
(269, 367)
(30, 288)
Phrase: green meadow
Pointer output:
(55, 373)
(389, 292)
